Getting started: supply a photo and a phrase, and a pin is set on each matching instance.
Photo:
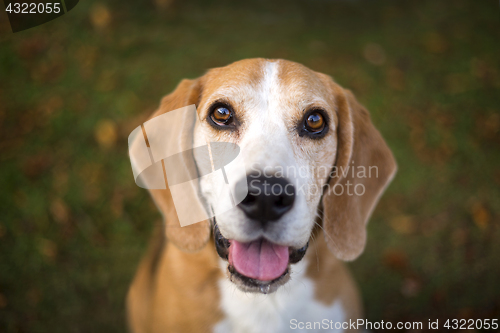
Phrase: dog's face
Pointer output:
(282, 116)
(294, 127)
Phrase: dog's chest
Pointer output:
(289, 308)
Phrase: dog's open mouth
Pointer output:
(257, 266)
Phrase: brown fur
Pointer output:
(175, 291)
(360, 144)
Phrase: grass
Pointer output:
(73, 224)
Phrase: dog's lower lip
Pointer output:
(296, 255)
(262, 286)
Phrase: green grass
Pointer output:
(73, 224)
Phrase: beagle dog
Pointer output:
(274, 262)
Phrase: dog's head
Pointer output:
(312, 157)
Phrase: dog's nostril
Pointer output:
(268, 198)
(285, 200)
(249, 199)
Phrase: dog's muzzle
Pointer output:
(250, 284)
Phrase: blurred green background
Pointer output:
(73, 224)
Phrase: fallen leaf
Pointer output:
(480, 215)
(48, 248)
(35, 165)
(100, 16)
(395, 259)
(59, 210)
(403, 224)
(33, 47)
(106, 134)
(163, 4)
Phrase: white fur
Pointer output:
(258, 313)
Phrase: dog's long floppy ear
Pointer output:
(191, 237)
(360, 148)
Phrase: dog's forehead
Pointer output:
(244, 83)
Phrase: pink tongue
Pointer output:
(260, 259)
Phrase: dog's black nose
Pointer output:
(268, 198)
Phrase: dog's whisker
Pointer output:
(313, 237)
(321, 227)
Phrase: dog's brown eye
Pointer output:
(315, 122)
(221, 115)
